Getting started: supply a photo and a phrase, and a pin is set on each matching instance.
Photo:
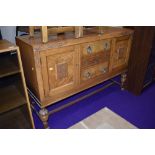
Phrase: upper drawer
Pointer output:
(92, 48)
(95, 59)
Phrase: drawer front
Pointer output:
(121, 51)
(92, 72)
(95, 59)
(95, 53)
(92, 48)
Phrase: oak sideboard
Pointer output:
(66, 65)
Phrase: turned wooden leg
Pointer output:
(123, 79)
(43, 113)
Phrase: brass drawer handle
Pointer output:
(106, 45)
(89, 50)
(88, 75)
(104, 70)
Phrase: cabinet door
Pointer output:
(121, 51)
(61, 71)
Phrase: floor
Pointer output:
(15, 119)
(137, 110)
(104, 119)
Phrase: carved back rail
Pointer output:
(47, 30)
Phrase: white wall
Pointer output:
(9, 33)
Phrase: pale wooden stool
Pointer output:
(47, 30)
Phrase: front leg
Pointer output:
(123, 79)
(43, 114)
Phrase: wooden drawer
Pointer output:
(95, 53)
(89, 49)
(95, 59)
(92, 72)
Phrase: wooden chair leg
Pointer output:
(78, 31)
(44, 34)
(100, 29)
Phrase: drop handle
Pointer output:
(88, 75)
(103, 70)
(106, 45)
(89, 50)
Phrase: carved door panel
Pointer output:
(121, 52)
(61, 70)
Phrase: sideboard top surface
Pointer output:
(69, 38)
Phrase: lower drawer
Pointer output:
(95, 71)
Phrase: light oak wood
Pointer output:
(44, 33)
(31, 31)
(62, 76)
(66, 65)
(121, 51)
(61, 29)
(78, 31)
(25, 88)
(49, 30)
(31, 65)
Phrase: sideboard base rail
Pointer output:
(44, 114)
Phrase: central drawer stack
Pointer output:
(95, 58)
